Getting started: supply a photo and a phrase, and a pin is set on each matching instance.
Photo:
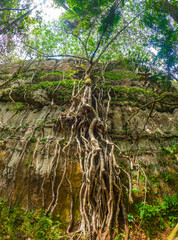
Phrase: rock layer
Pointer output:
(30, 140)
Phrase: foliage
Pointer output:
(162, 79)
(63, 93)
(92, 29)
(109, 20)
(19, 106)
(169, 177)
(17, 223)
(160, 214)
(14, 25)
(163, 34)
(32, 139)
(130, 217)
(133, 96)
(170, 151)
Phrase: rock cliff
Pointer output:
(33, 163)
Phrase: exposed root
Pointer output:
(71, 206)
(101, 193)
(14, 75)
(154, 102)
(55, 165)
(54, 201)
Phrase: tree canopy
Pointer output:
(96, 30)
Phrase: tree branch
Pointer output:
(66, 55)
(16, 20)
(164, 95)
(13, 9)
(84, 45)
(116, 35)
(53, 56)
(89, 33)
(96, 49)
(62, 4)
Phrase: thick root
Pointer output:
(101, 193)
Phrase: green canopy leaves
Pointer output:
(100, 30)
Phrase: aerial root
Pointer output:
(101, 193)
(55, 198)
(71, 206)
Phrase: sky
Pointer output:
(49, 12)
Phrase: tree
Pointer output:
(146, 31)
(91, 31)
(90, 35)
(14, 24)
(164, 33)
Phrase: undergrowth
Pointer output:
(16, 223)
(157, 216)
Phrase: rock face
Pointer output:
(31, 171)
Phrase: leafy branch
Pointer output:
(159, 100)
(11, 24)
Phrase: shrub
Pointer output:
(16, 223)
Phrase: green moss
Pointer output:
(132, 96)
(170, 151)
(43, 140)
(53, 76)
(130, 91)
(67, 83)
(120, 75)
(32, 139)
(52, 73)
(45, 85)
(169, 177)
(19, 106)
(154, 180)
(19, 92)
(62, 93)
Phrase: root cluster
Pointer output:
(101, 193)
